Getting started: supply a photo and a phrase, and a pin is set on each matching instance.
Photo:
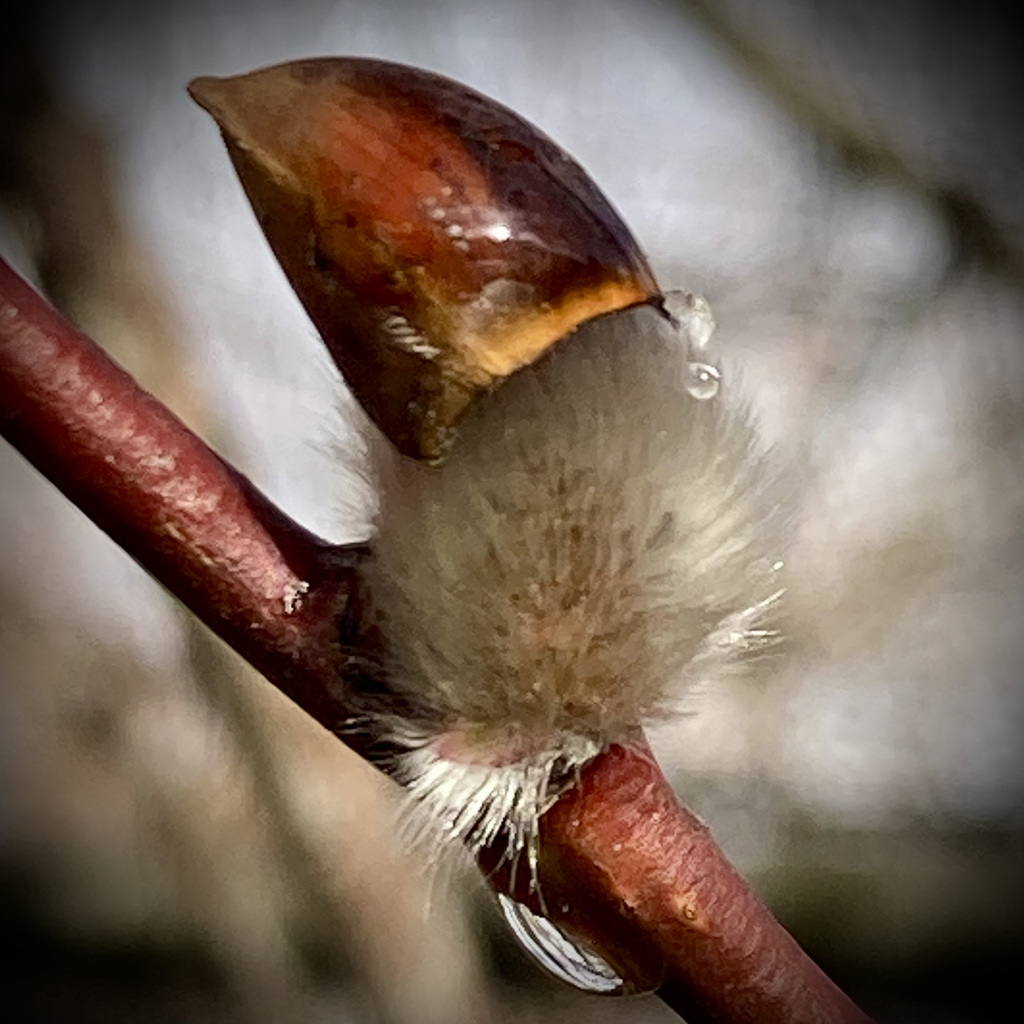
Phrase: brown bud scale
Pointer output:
(437, 240)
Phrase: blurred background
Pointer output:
(842, 181)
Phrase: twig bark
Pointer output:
(624, 865)
(264, 584)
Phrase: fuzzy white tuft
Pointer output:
(471, 804)
(598, 541)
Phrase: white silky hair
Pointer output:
(597, 543)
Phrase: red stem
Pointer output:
(264, 584)
(625, 865)
(660, 889)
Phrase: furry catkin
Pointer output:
(598, 541)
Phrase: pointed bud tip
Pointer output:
(207, 91)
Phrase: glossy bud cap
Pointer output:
(437, 240)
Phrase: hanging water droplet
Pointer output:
(559, 955)
(701, 324)
(692, 315)
(702, 380)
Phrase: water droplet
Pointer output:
(692, 316)
(701, 324)
(557, 953)
(702, 381)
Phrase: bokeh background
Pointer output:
(842, 181)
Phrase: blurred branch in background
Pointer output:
(917, 93)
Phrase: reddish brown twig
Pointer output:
(264, 584)
(624, 866)
(659, 890)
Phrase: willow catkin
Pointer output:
(604, 535)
